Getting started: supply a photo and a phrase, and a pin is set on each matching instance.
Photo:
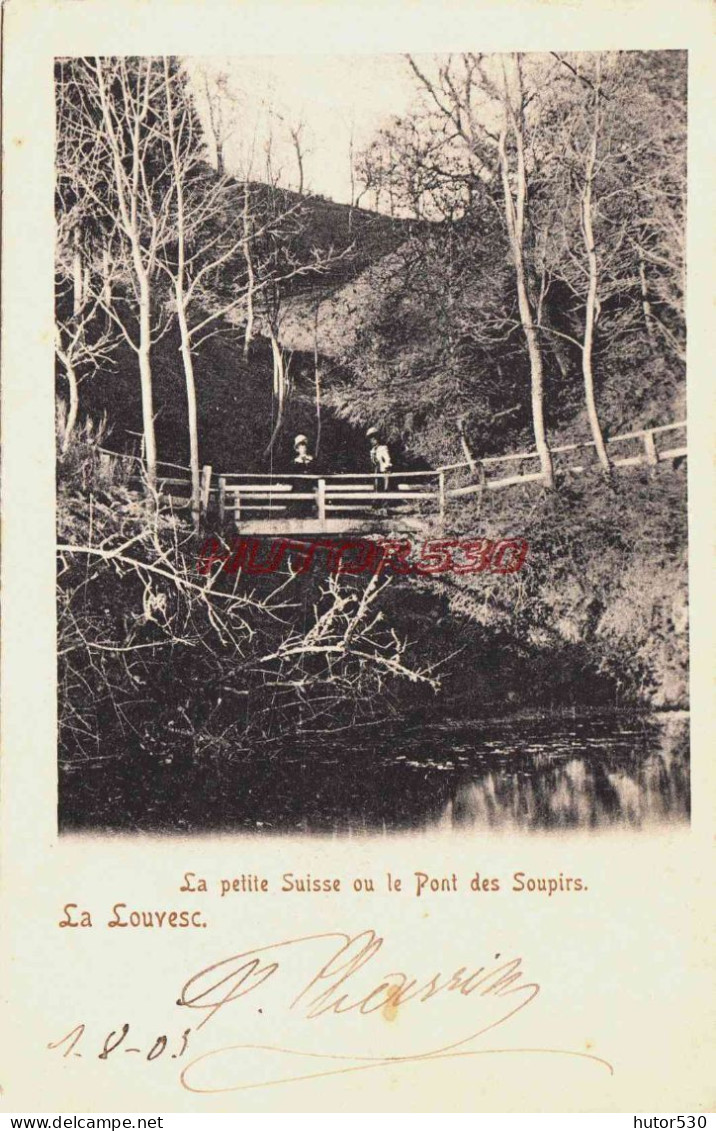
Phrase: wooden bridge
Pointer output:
(356, 502)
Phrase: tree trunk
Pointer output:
(467, 452)
(127, 200)
(145, 380)
(192, 420)
(181, 304)
(536, 378)
(77, 275)
(251, 278)
(299, 161)
(279, 388)
(74, 397)
(515, 217)
(279, 372)
(352, 172)
(591, 310)
(106, 284)
(588, 345)
(317, 380)
(645, 304)
(552, 344)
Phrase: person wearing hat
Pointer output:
(303, 463)
(302, 458)
(380, 460)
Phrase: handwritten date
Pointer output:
(117, 1041)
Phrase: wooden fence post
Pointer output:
(321, 502)
(194, 501)
(205, 487)
(222, 501)
(195, 505)
(652, 457)
(482, 480)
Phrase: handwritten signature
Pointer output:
(343, 980)
(336, 982)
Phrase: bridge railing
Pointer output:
(629, 449)
(249, 496)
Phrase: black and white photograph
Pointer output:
(370, 378)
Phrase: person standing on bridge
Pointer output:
(303, 458)
(380, 460)
(304, 463)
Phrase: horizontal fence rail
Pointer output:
(265, 500)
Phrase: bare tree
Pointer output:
(578, 145)
(220, 114)
(108, 114)
(609, 186)
(588, 207)
(317, 377)
(125, 99)
(247, 252)
(82, 345)
(133, 613)
(224, 114)
(487, 111)
(296, 130)
(85, 338)
(514, 176)
(183, 157)
(211, 240)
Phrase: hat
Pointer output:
(372, 432)
(299, 440)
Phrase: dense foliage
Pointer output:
(440, 336)
(522, 283)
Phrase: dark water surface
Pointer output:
(585, 772)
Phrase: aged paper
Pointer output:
(500, 915)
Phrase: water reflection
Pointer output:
(545, 774)
(550, 789)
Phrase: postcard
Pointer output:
(356, 626)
